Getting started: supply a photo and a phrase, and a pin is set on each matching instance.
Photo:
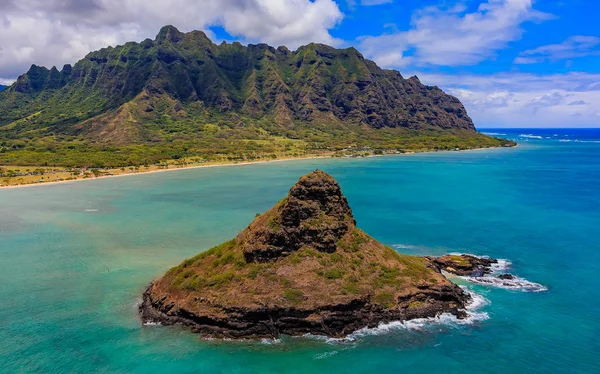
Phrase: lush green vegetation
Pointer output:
(224, 143)
(181, 98)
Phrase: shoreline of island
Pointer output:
(224, 164)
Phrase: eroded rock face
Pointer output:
(314, 214)
(302, 267)
(335, 320)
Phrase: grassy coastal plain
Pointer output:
(20, 167)
(21, 176)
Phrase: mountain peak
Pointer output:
(321, 188)
(169, 33)
(315, 214)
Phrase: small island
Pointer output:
(304, 267)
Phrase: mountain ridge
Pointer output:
(182, 88)
(258, 87)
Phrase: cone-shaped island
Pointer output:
(302, 267)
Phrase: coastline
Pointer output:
(178, 168)
(221, 164)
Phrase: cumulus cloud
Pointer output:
(453, 36)
(574, 47)
(55, 32)
(525, 100)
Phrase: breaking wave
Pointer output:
(516, 283)
(501, 266)
(150, 323)
(419, 324)
(578, 141)
(494, 133)
(270, 341)
(530, 136)
(404, 246)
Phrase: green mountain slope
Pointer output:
(180, 95)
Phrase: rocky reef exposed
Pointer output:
(484, 271)
(464, 264)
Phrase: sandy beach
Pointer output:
(175, 168)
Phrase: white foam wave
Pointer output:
(493, 133)
(477, 301)
(151, 323)
(91, 210)
(468, 254)
(578, 141)
(516, 283)
(530, 136)
(270, 341)
(321, 356)
(501, 266)
(404, 246)
(420, 324)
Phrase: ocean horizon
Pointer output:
(76, 258)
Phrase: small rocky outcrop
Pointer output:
(483, 271)
(463, 265)
(302, 267)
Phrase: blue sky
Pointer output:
(513, 63)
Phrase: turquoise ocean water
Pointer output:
(74, 259)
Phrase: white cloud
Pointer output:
(55, 32)
(352, 3)
(525, 100)
(453, 36)
(375, 2)
(574, 47)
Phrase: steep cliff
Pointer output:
(314, 83)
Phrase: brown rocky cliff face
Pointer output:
(316, 214)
